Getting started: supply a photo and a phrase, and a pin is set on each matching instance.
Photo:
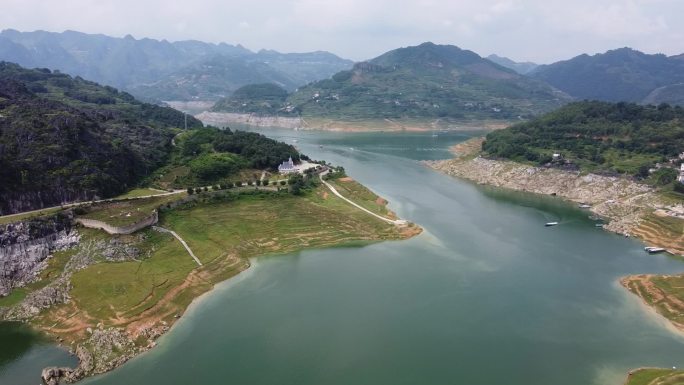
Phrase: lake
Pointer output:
(486, 295)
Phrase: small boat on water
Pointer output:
(549, 224)
(584, 206)
(599, 225)
(653, 250)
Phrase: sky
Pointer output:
(542, 31)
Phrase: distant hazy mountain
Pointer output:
(522, 68)
(161, 69)
(212, 79)
(618, 75)
(426, 81)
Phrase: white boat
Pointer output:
(584, 206)
(653, 250)
(549, 224)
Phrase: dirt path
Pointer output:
(163, 230)
(396, 222)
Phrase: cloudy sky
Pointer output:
(537, 30)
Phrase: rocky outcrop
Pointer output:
(53, 374)
(622, 201)
(222, 118)
(25, 246)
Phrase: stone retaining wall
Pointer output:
(95, 224)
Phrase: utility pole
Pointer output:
(185, 115)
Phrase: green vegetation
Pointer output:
(262, 99)
(140, 192)
(126, 212)
(28, 215)
(427, 81)
(209, 156)
(224, 229)
(597, 136)
(623, 75)
(130, 287)
(359, 194)
(67, 139)
(653, 376)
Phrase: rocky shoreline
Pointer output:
(624, 203)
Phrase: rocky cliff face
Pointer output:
(25, 246)
(620, 200)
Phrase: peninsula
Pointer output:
(105, 275)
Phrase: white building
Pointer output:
(287, 167)
(681, 173)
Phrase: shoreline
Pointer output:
(338, 125)
(624, 204)
(157, 320)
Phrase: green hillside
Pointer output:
(263, 99)
(64, 139)
(209, 156)
(426, 81)
(618, 75)
(596, 136)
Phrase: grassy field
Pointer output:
(359, 194)
(662, 230)
(140, 192)
(664, 293)
(5, 219)
(654, 376)
(224, 233)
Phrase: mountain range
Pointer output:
(160, 70)
(618, 75)
(424, 81)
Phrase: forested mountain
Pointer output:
(618, 75)
(160, 69)
(425, 81)
(64, 139)
(522, 68)
(596, 136)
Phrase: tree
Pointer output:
(283, 182)
(258, 182)
(198, 190)
(250, 183)
(191, 190)
(264, 182)
(679, 187)
(297, 183)
(665, 176)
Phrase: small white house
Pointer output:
(681, 173)
(287, 167)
